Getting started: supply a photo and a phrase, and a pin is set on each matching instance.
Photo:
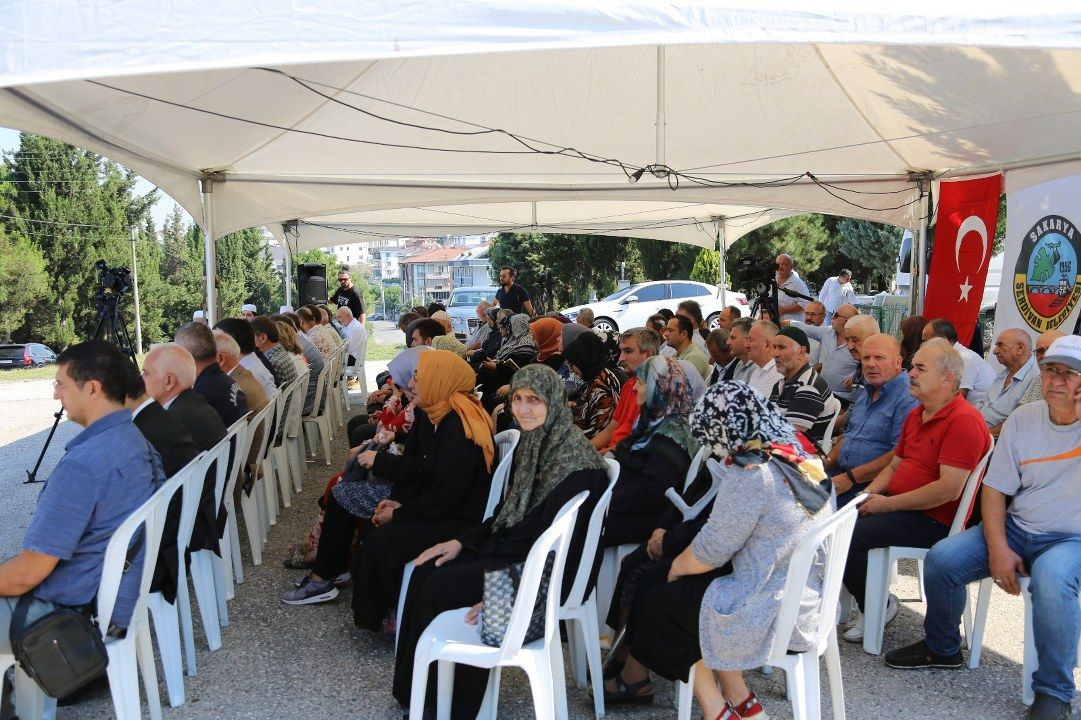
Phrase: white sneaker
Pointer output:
(854, 633)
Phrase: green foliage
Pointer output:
(706, 266)
(392, 295)
(329, 262)
(663, 260)
(872, 250)
(23, 281)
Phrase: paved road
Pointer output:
(386, 333)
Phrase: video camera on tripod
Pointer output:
(759, 284)
(113, 284)
(113, 281)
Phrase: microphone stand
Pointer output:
(31, 475)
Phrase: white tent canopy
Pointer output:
(674, 222)
(296, 110)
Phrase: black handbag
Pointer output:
(500, 589)
(61, 651)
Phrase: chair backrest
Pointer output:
(265, 418)
(555, 539)
(695, 466)
(591, 546)
(192, 476)
(294, 403)
(150, 516)
(505, 443)
(690, 512)
(227, 459)
(827, 438)
(276, 419)
(322, 385)
(968, 495)
(832, 535)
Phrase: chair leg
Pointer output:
(557, 678)
(539, 671)
(444, 670)
(975, 638)
(124, 681)
(167, 629)
(221, 589)
(833, 672)
(270, 489)
(30, 701)
(919, 579)
(282, 471)
(592, 650)
(419, 688)
(490, 705)
(234, 544)
(144, 654)
(877, 591)
(324, 432)
(187, 626)
(202, 576)
(1029, 662)
(249, 505)
(685, 695)
(796, 685)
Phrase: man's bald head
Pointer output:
(169, 369)
(1044, 341)
(1013, 348)
(881, 359)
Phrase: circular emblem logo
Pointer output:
(1046, 283)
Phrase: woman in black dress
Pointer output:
(552, 463)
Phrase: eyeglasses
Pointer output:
(1041, 351)
(1066, 374)
(344, 279)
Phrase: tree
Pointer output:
(805, 237)
(23, 281)
(392, 296)
(872, 249)
(706, 266)
(663, 260)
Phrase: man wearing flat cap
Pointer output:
(801, 393)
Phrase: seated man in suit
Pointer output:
(229, 360)
(169, 374)
(176, 447)
(221, 391)
(107, 471)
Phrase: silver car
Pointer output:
(462, 307)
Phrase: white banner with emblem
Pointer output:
(1040, 285)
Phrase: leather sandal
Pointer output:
(628, 693)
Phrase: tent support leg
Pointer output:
(919, 280)
(210, 254)
(721, 259)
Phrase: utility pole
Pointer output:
(135, 292)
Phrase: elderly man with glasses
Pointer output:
(1035, 388)
(1037, 463)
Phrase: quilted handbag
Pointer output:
(500, 589)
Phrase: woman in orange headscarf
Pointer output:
(441, 483)
(547, 333)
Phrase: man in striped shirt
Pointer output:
(801, 393)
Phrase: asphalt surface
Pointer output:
(288, 662)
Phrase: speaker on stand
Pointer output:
(312, 284)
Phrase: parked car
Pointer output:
(462, 307)
(631, 306)
(25, 355)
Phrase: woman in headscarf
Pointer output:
(490, 336)
(655, 456)
(441, 487)
(553, 462)
(587, 358)
(447, 341)
(547, 334)
(353, 500)
(719, 608)
(517, 351)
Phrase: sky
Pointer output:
(9, 140)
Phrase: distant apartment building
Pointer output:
(426, 275)
(385, 261)
(472, 268)
(351, 254)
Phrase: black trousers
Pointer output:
(360, 431)
(337, 535)
(910, 528)
(380, 559)
(433, 590)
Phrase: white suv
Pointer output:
(631, 306)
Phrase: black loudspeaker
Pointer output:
(312, 284)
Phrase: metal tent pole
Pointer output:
(722, 240)
(210, 251)
(919, 284)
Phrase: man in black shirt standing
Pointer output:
(347, 296)
(511, 295)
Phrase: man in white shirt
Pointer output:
(1013, 349)
(242, 332)
(789, 306)
(764, 375)
(978, 374)
(836, 291)
(357, 338)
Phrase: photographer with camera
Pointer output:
(790, 307)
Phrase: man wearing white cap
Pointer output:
(284, 309)
(248, 312)
(1037, 462)
(199, 316)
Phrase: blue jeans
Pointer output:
(1054, 566)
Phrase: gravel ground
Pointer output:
(309, 662)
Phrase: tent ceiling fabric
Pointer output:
(741, 93)
(674, 222)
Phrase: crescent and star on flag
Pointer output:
(972, 223)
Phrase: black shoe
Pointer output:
(630, 693)
(918, 656)
(1046, 707)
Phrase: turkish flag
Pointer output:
(967, 216)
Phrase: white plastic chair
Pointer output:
(167, 616)
(882, 561)
(250, 504)
(270, 469)
(448, 639)
(278, 447)
(827, 438)
(228, 563)
(579, 612)
(294, 437)
(690, 512)
(833, 535)
(132, 654)
(230, 542)
(319, 418)
(505, 443)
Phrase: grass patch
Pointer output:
(39, 373)
(380, 351)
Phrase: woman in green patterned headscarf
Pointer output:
(553, 463)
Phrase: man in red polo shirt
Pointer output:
(913, 499)
(635, 346)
